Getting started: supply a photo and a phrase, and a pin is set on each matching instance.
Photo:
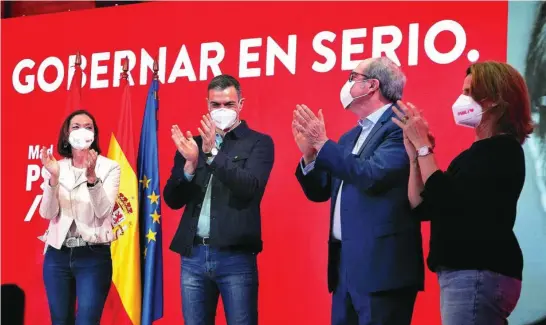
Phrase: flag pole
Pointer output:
(156, 69)
(156, 77)
(125, 68)
(78, 61)
(74, 98)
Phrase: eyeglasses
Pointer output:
(357, 76)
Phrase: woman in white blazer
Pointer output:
(78, 200)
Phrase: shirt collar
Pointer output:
(374, 117)
(219, 140)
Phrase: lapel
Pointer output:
(82, 179)
(66, 177)
(385, 117)
(348, 145)
(69, 180)
(352, 137)
(236, 144)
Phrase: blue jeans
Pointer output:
(476, 297)
(210, 272)
(84, 273)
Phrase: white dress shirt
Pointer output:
(367, 125)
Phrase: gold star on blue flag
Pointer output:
(149, 213)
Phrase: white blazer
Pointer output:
(72, 200)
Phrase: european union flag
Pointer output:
(150, 212)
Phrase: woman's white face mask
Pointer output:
(81, 139)
(467, 112)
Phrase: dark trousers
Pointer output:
(210, 272)
(350, 307)
(82, 273)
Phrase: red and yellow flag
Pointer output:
(125, 250)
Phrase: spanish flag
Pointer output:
(125, 250)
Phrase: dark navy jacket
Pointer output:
(241, 170)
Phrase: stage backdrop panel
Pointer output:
(284, 54)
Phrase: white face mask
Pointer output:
(224, 118)
(467, 112)
(81, 139)
(345, 94)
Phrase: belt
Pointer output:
(72, 242)
(201, 241)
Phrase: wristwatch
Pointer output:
(424, 151)
(212, 153)
(93, 184)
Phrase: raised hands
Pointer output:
(413, 124)
(415, 127)
(310, 126)
(186, 145)
(51, 165)
(305, 147)
(208, 133)
(90, 169)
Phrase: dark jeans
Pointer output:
(208, 273)
(469, 297)
(84, 273)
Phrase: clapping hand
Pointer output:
(51, 165)
(305, 147)
(310, 126)
(413, 124)
(208, 133)
(185, 145)
(91, 163)
(415, 127)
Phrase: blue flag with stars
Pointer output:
(150, 212)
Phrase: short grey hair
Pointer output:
(391, 78)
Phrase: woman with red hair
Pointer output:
(472, 205)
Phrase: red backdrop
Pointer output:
(293, 264)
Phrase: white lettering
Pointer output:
(58, 65)
(33, 174)
(72, 69)
(118, 68)
(183, 59)
(460, 41)
(413, 44)
(348, 48)
(34, 152)
(378, 47)
(28, 86)
(245, 57)
(97, 70)
(147, 63)
(288, 59)
(29, 75)
(212, 62)
(33, 208)
(324, 51)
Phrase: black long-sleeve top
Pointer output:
(472, 208)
